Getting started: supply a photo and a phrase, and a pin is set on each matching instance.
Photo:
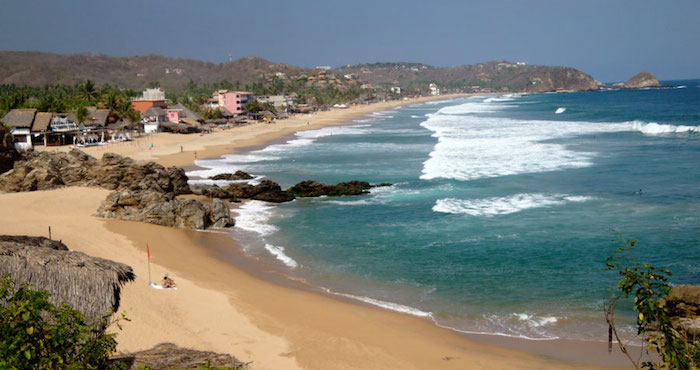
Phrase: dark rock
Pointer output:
(642, 80)
(383, 185)
(8, 154)
(311, 188)
(267, 191)
(239, 175)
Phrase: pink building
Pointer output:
(172, 115)
(231, 100)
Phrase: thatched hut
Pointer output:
(90, 285)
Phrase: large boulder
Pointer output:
(165, 209)
(683, 305)
(642, 80)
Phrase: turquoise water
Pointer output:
(502, 211)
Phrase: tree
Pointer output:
(81, 114)
(36, 334)
(649, 285)
(87, 91)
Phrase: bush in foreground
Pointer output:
(36, 334)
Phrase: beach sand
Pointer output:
(221, 307)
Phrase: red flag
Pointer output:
(148, 251)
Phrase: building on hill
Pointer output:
(280, 102)
(20, 123)
(149, 98)
(434, 90)
(234, 101)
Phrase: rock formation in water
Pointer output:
(312, 188)
(642, 80)
(239, 175)
(267, 191)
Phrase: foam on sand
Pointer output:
(383, 304)
(495, 206)
(254, 216)
(278, 252)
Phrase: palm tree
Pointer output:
(81, 114)
(87, 91)
(112, 101)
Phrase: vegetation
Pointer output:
(36, 334)
(64, 98)
(648, 285)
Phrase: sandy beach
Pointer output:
(221, 307)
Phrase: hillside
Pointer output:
(39, 69)
(495, 75)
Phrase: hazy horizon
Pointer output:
(609, 41)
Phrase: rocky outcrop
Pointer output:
(45, 170)
(8, 154)
(683, 305)
(267, 191)
(239, 175)
(165, 209)
(143, 191)
(311, 188)
(642, 80)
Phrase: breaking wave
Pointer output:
(495, 206)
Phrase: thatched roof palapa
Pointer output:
(154, 112)
(90, 285)
(42, 121)
(187, 112)
(19, 118)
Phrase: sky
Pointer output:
(610, 40)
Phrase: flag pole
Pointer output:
(148, 252)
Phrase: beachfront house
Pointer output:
(20, 123)
(434, 90)
(149, 98)
(234, 101)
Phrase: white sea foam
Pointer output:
(473, 144)
(383, 304)
(653, 128)
(502, 205)
(278, 252)
(254, 216)
(560, 110)
(681, 87)
(535, 322)
(414, 116)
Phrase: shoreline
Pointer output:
(419, 341)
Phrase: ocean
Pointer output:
(503, 208)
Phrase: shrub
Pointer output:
(36, 334)
(648, 285)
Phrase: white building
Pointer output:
(395, 89)
(434, 90)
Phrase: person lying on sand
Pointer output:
(168, 282)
